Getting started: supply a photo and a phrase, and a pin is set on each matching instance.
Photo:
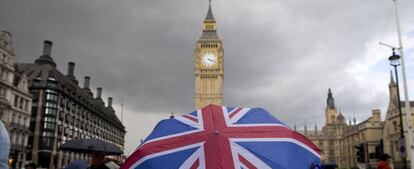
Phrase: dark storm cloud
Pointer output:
(281, 55)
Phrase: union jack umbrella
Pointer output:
(218, 137)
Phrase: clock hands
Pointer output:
(209, 59)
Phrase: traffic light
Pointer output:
(360, 152)
(379, 149)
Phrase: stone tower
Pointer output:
(330, 110)
(209, 69)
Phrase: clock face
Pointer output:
(209, 59)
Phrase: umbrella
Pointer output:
(90, 145)
(77, 164)
(112, 165)
(224, 137)
(5, 146)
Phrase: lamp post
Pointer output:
(407, 99)
(395, 61)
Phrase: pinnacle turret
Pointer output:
(391, 78)
(330, 100)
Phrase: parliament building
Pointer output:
(351, 144)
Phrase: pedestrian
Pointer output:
(98, 160)
(5, 146)
(31, 166)
(384, 162)
(77, 164)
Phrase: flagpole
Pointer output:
(409, 146)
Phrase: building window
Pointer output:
(49, 125)
(26, 105)
(50, 111)
(16, 100)
(5, 60)
(21, 103)
(47, 139)
(395, 125)
(50, 119)
(36, 82)
(2, 74)
(51, 105)
(51, 91)
(61, 114)
(2, 91)
(51, 97)
(51, 82)
(34, 94)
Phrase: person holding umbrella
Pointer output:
(98, 160)
(31, 166)
(77, 164)
(96, 147)
(383, 162)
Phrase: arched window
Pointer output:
(394, 123)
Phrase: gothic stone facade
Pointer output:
(391, 133)
(15, 102)
(337, 139)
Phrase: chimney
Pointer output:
(98, 93)
(376, 115)
(86, 84)
(109, 101)
(47, 47)
(46, 58)
(71, 69)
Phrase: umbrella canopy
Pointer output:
(5, 146)
(77, 164)
(112, 165)
(224, 137)
(90, 145)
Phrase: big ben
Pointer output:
(209, 68)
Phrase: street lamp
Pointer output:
(395, 61)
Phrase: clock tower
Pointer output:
(209, 69)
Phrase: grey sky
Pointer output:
(280, 55)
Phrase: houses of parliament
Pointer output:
(349, 144)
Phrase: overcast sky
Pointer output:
(279, 55)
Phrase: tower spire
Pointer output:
(209, 13)
(294, 125)
(330, 100)
(306, 129)
(391, 78)
(354, 119)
